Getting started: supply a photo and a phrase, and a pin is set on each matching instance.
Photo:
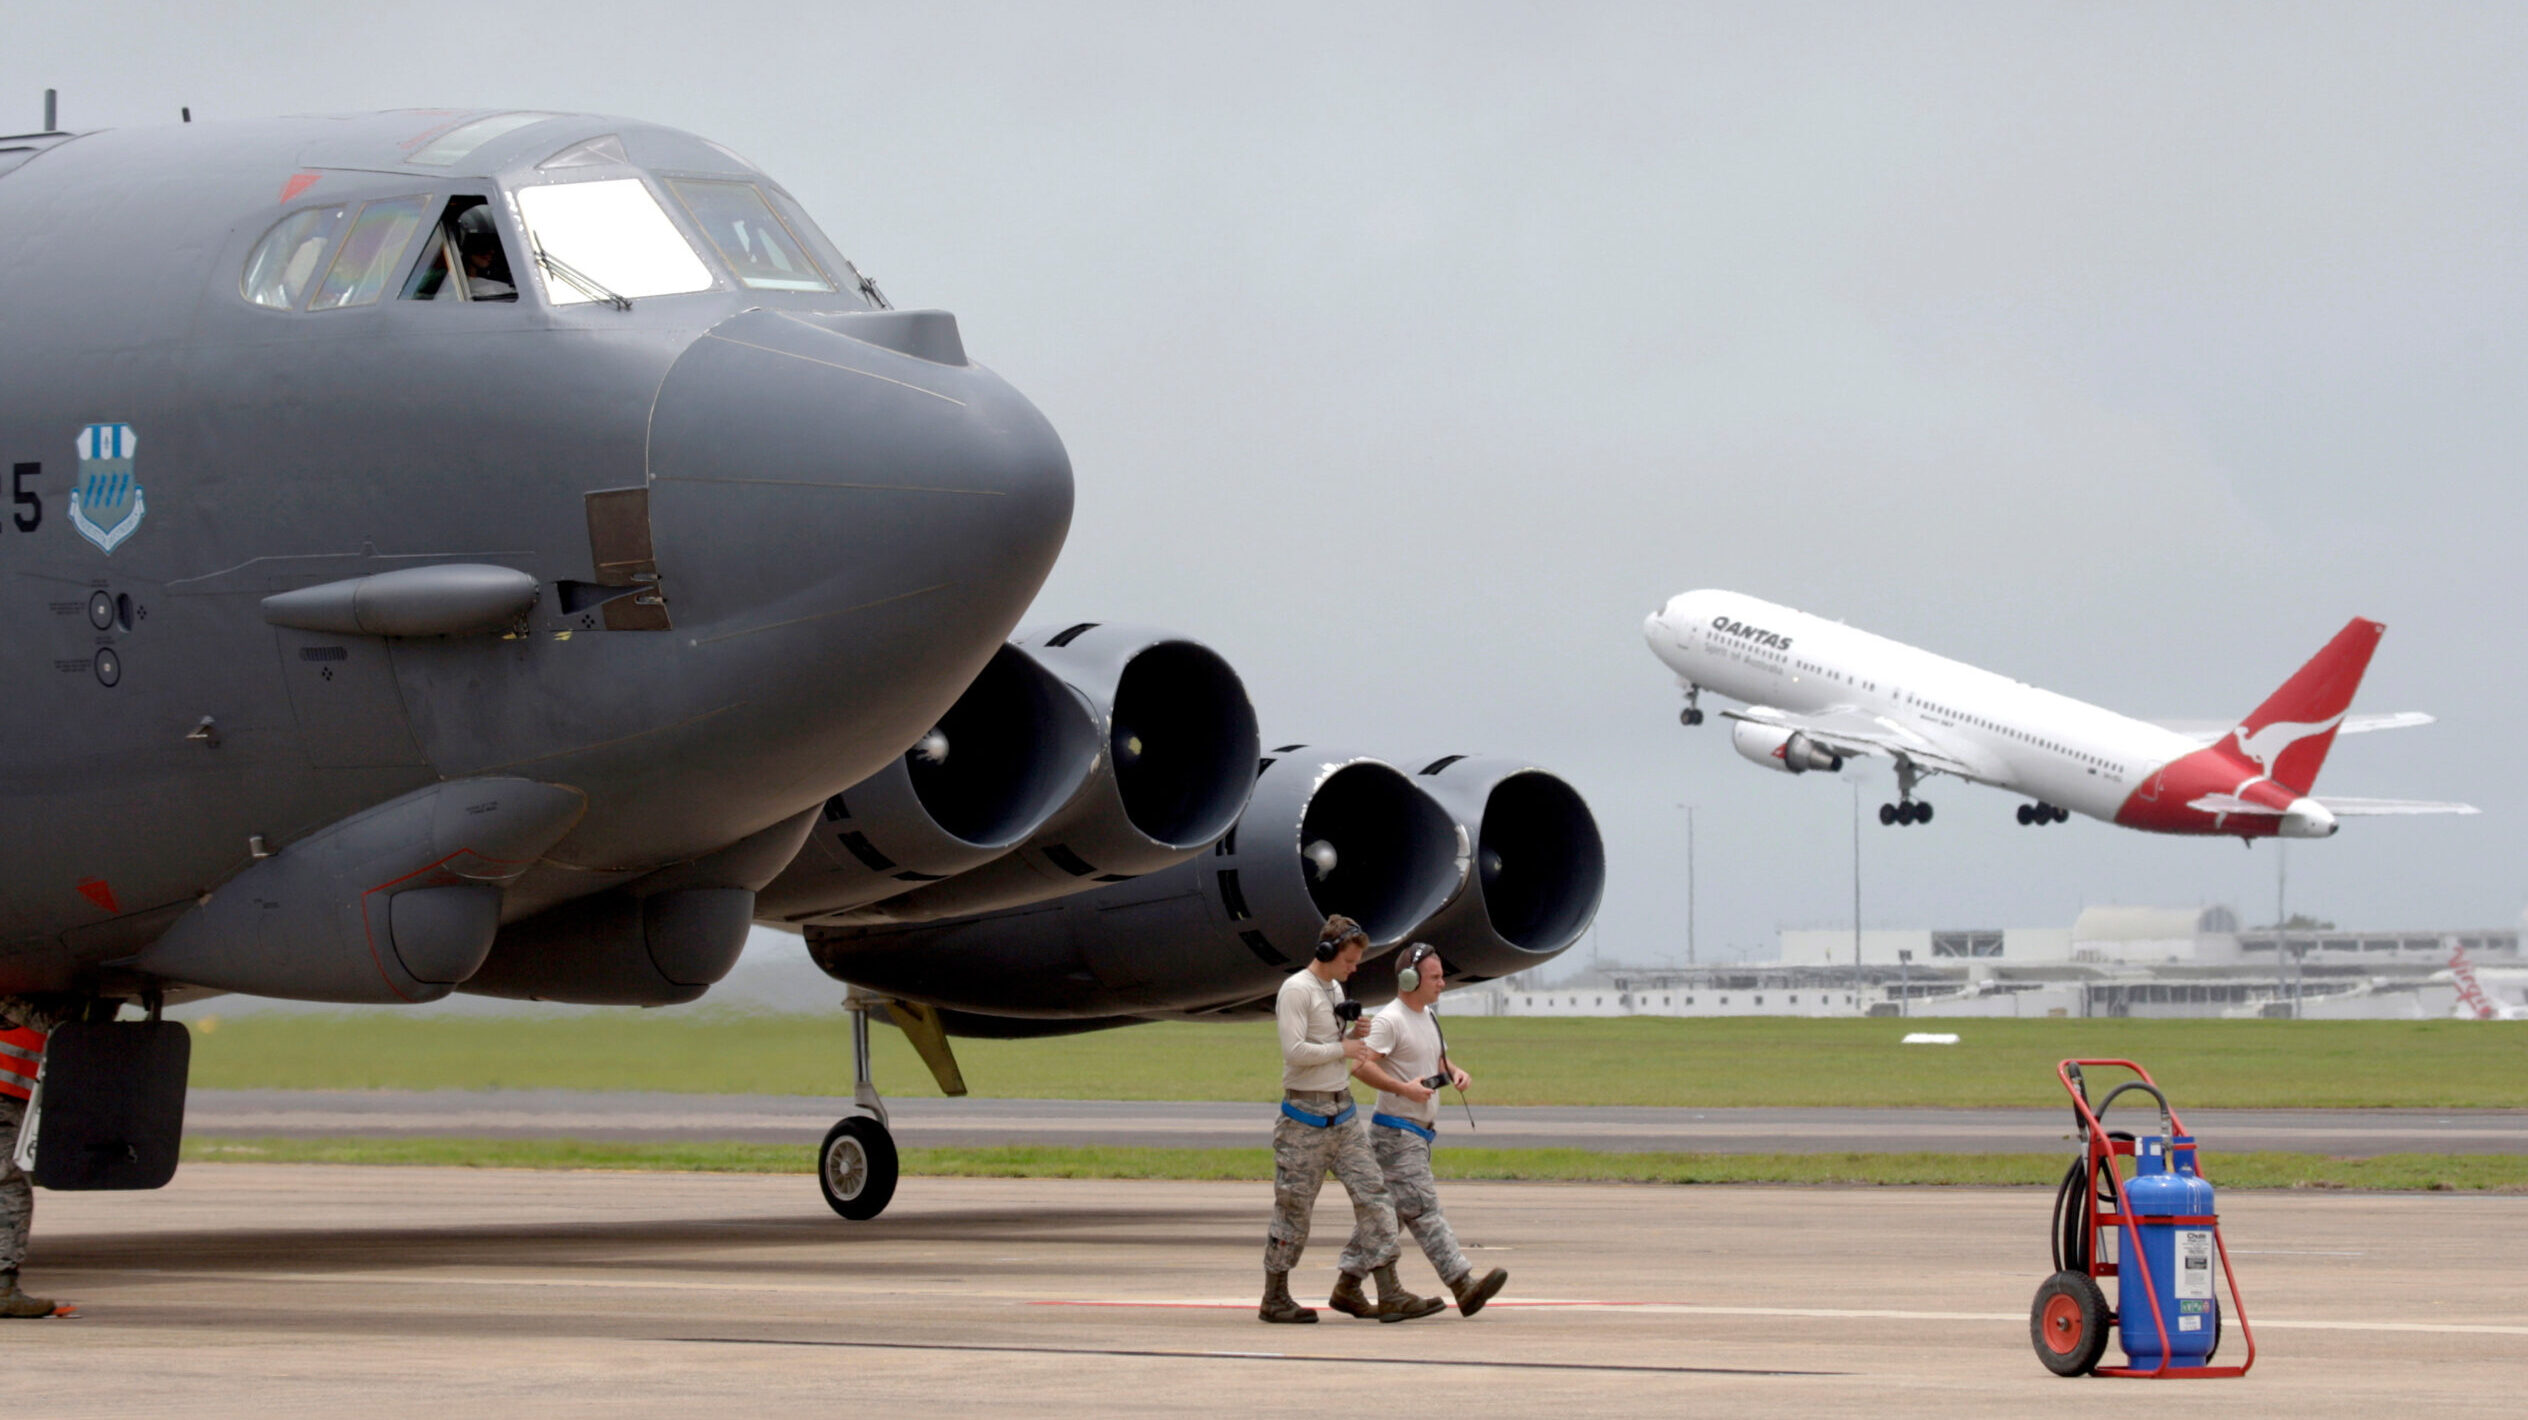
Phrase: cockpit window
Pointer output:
(465, 259)
(454, 144)
(597, 240)
(370, 254)
(284, 262)
(761, 251)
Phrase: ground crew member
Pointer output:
(23, 1030)
(1405, 1039)
(1320, 1129)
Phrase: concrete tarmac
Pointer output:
(305, 1290)
(977, 1123)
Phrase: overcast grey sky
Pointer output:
(1410, 354)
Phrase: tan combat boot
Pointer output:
(1397, 1304)
(1277, 1303)
(1349, 1299)
(16, 1304)
(1472, 1291)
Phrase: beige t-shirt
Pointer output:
(1410, 1040)
(1312, 1039)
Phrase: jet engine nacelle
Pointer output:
(1177, 744)
(1788, 751)
(1323, 833)
(398, 903)
(1017, 747)
(1539, 870)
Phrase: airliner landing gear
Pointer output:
(2043, 813)
(856, 1165)
(1692, 714)
(1907, 809)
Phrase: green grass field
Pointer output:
(2432, 1172)
(1516, 1060)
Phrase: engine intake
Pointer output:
(1323, 833)
(1178, 742)
(1539, 870)
(1015, 748)
(1782, 750)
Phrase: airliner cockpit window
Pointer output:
(606, 241)
(465, 259)
(761, 251)
(371, 254)
(283, 265)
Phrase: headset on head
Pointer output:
(1337, 930)
(1409, 966)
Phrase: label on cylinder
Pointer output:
(2194, 1262)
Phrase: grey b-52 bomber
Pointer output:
(514, 553)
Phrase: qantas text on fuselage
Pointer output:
(1819, 692)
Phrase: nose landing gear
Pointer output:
(2041, 813)
(1692, 714)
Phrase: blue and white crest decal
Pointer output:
(106, 505)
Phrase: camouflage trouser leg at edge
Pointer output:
(17, 1196)
(1302, 1156)
(1405, 1160)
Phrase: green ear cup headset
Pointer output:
(1409, 966)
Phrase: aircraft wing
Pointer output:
(2204, 732)
(2340, 808)
(1850, 731)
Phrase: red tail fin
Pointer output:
(2287, 737)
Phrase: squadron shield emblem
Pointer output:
(106, 505)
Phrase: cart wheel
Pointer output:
(2069, 1324)
(856, 1168)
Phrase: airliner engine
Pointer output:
(1324, 832)
(1785, 751)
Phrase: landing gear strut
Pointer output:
(1907, 809)
(856, 1165)
(1692, 714)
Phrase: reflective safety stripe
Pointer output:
(1429, 1135)
(9, 1048)
(1313, 1121)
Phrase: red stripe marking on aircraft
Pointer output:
(95, 890)
(297, 184)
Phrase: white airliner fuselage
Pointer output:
(1818, 692)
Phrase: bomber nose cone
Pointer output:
(804, 478)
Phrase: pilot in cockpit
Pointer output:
(487, 276)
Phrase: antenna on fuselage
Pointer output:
(187, 111)
(52, 110)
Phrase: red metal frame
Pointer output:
(2103, 1152)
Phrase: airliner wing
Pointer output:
(2204, 732)
(1850, 732)
(2340, 808)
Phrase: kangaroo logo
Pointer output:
(106, 505)
(2264, 746)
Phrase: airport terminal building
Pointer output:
(2112, 961)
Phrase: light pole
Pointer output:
(1904, 981)
(1856, 889)
(1689, 883)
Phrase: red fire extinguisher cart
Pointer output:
(2152, 1228)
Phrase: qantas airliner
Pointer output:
(1819, 692)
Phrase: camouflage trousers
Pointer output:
(17, 1196)
(1405, 1159)
(1302, 1156)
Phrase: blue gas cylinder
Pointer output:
(2178, 1257)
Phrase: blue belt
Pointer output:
(1429, 1136)
(1319, 1121)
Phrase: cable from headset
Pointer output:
(1448, 1072)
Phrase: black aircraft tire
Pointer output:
(1922, 811)
(2068, 1324)
(856, 1168)
(2026, 815)
(1887, 814)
